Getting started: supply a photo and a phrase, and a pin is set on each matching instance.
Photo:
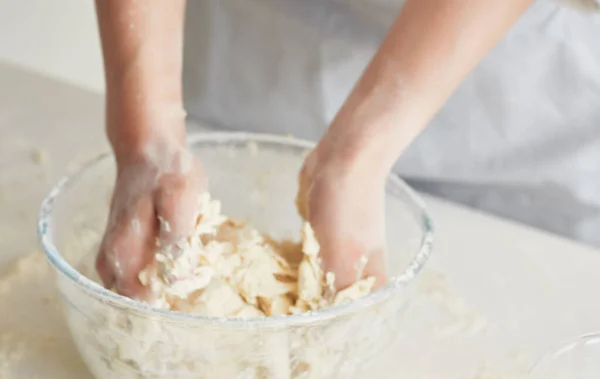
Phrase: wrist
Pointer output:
(142, 128)
(349, 156)
(370, 148)
(375, 125)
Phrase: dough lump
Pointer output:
(228, 269)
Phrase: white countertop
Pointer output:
(496, 295)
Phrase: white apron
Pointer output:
(520, 137)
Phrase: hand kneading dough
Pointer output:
(228, 269)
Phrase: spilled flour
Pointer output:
(228, 269)
(34, 338)
(35, 341)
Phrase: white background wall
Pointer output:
(58, 38)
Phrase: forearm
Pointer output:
(430, 48)
(142, 46)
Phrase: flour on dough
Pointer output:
(229, 269)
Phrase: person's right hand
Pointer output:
(145, 122)
(154, 203)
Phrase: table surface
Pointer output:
(496, 295)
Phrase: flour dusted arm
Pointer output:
(142, 45)
(158, 180)
(430, 48)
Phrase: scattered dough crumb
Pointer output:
(464, 321)
(39, 157)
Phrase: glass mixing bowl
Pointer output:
(578, 359)
(255, 177)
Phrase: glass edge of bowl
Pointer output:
(44, 228)
(559, 349)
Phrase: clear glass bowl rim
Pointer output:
(395, 283)
(565, 347)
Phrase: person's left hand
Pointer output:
(343, 199)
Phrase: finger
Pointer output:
(129, 247)
(106, 274)
(304, 185)
(176, 209)
(351, 236)
(376, 267)
(301, 198)
(176, 206)
(340, 255)
(347, 262)
(343, 261)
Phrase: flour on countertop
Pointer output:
(33, 333)
(485, 372)
(35, 342)
(462, 319)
